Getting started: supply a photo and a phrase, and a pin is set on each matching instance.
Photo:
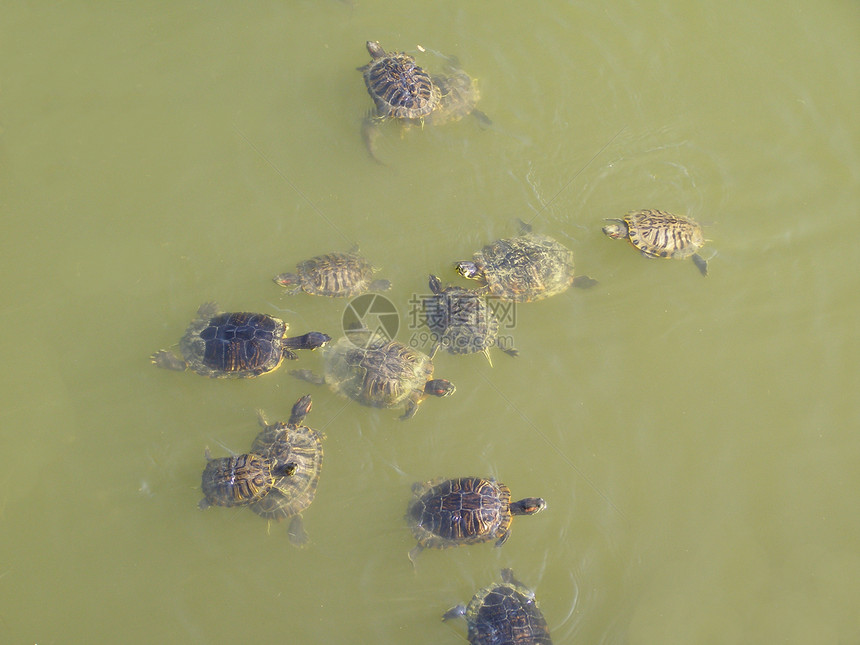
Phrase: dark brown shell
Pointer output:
(237, 481)
(399, 88)
(452, 512)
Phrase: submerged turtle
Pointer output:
(461, 321)
(451, 512)
(235, 345)
(525, 268)
(658, 234)
(381, 373)
(338, 275)
(242, 479)
(459, 96)
(504, 613)
(299, 447)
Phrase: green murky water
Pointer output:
(695, 439)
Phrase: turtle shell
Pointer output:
(504, 613)
(451, 512)
(400, 89)
(238, 480)
(526, 268)
(289, 443)
(382, 374)
(461, 320)
(337, 275)
(459, 95)
(663, 235)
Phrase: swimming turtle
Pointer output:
(658, 234)
(241, 479)
(504, 613)
(525, 268)
(301, 447)
(381, 373)
(466, 510)
(338, 275)
(461, 321)
(400, 89)
(235, 345)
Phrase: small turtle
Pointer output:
(299, 448)
(240, 480)
(658, 234)
(338, 275)
(505, 613)
(461, 321)
(525, 268)
(400, 89)
(459, 96)
(467, 510)
(381, 373)
(235, 345)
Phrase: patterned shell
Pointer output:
(237, 481)
(526, 268)
(384, 374)
(506, 613)
(233, 345)
(461, 320)
(459, 96)
(297, 444)
(663, 235)
(452, 512)
(337, 275)
(398, 86)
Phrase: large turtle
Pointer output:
(241, 479)
(235, 345)
(504, 613)
(658, 234)
(380, 373)
(338, 275)
(525, 268)
(298, 449)
(400, 89)
(467, 510)
(461, 321)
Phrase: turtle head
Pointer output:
(312, 340)
(435, 284)
(287, 279)
(528, 506)
(300, 410)
(375, 49)
(616, 230)
(285, 470)
(468, 270)
(439, 387)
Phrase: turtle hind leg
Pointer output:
(370, 132)
(296, 532)
(584, 282)
(413, 553)
(701, 264)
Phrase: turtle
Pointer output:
(446, 513)
(300, 447)
(241, 479)
(337, 275)
(459, 96)
(658, 234)
(235, 345)
(525, 268)
(461, 321)
(503, 613)
(399, 87)
(380, 373)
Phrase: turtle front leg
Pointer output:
(504, 538)
(411, 409)
(168, 361)
(309, 376)
(701, 263)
